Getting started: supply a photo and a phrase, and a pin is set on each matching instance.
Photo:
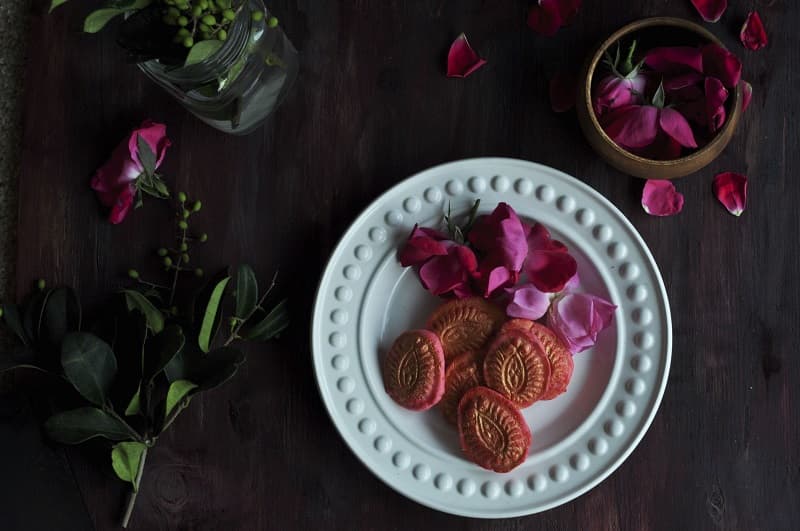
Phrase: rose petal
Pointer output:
(659, 198)
(155, 134)
(122, 204)
(753, 34)
(614, 92)
(731, 190)
(462, 59)
(574, 283)
(563, 90)
(443, 274)
(675, 125)
(632, 126)
(678, 82)
(663, 147)
(527, 302)
(501, 237)
(716, 96)
(721, 64)
(421, 245)
(550, 271)
(710, 10)
(747, 95)
(578, 318)
(545, 18)
(674, 59)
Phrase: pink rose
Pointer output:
(613, 92)
(578, 318)
(116, 181)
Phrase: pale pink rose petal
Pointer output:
(527, 302)
(633, 126)
(614, 92)
(674, 59)
(462, 59)
(563, 90)
(753, 35)
(731, 190)
(710, 10)
(573, 283)
(659, 198)
(578, 319)
(747, 94)
(675, 125)
(721, 64)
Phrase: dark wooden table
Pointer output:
(371, 107)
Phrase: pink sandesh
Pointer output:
(578, 319)
(659, 198)
(753, 35)
(445, 267)
(731, 190)
(462, 60)
(501, 241)
(710, 10)
(115, 182)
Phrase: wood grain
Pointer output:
(371, 107)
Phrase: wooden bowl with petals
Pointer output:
(660, 28)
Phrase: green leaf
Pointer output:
(32, 315)
(210, 315)
(160, 349)
(659, 97)
(146, 155)
(55, 3)
(202, 51)
(98, 19)
(78, 425)
(61, 315)
(134, 406)
(246, 291)
(137, 301)
(13, 321)
(217, 367)
(89, 364)
(125, 459)
(178, 390)
(270, 326)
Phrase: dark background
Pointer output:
(371, 107)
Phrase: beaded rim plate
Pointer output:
(366, 299)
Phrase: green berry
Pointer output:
(257, 16)
(185, 214)
(183, 225)
(209, 20)
(224, 4)
(133, 274)
(162, 252)
(197, 11)
(228, 14)
(182, 197)
(41, 284)
(204, 28)
(222, 35)
(185, 258)
(203, 238)
(272, 22)
(197, 206)
(173, 310)
(167, 261)
(198, 272)
(183, 21)
(203, 4)
(184, 247)
(183, 33)
(188, 42)
(173, 12)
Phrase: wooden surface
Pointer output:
(371, 107)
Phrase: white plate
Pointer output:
(366, 299)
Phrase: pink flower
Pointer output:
(578, 319)
(549, 265)
(659, 198)
(563, 90)
(444, 266)
(116, 181)
(721, 64)
(614, 91)
(548, 16)
(753, 34)
(637, 126)
(462, 59)
(731, 190)
(501, 240)
(527, 302)
(710, 10)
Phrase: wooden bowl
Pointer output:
(618, 156)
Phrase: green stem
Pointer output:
(133, 433)
(235, 332)
(178, 270)
(627, 66)
(126, 518)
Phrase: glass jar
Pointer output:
(236, 88)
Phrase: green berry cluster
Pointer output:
(202, 20)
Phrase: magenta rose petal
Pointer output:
(731, 190)
(721, 64)
(674, 59)
(563, 91)
(545, 18)
(633, 126)
(716, 96)
(462, 59)
(421, 245)
(449, 273)
(527, 302)
(550, 271)
(675, 125)
(710, 10)
(659, 198)
(753, 35)
(747, 95)
(122, 204)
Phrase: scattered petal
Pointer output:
(753, 34)
(747, 94)
(710, 10)
(449, 273)
(633, 126)
(462, 59)
(731, 190)
(578, 318)
(674, 59)
(721, 64)
(659, 198)
(527, 302)
(548, 16)
(716, 96)
(563, 90)
(122, 203)
(676, 127)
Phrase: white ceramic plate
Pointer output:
(366, 299)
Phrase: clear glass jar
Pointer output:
(236, 88)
